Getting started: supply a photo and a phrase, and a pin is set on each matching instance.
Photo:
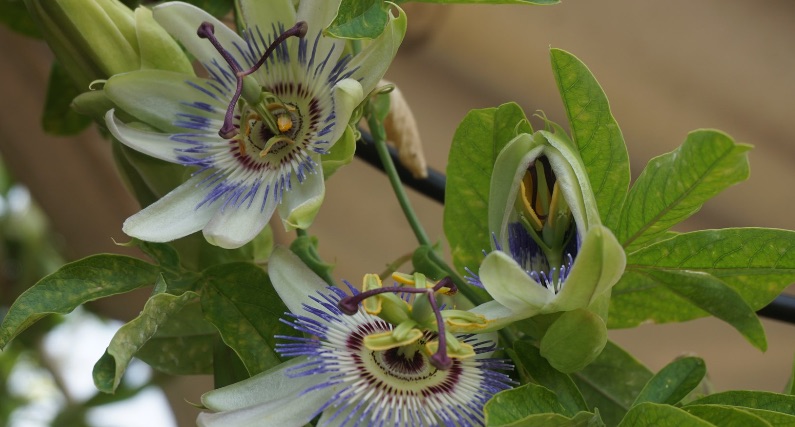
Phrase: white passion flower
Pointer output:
(275, 100)
(348, 373)
(550, 251)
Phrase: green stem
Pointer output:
(379, 140)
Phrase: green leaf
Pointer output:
(240, 301)
(108, 371)
(791, 383)
(611, 382)
(582, 419)
(757, 263)
(726, 416)
(596, 133)
(359, 19)
(673, 186)
(227, 366)
(478, 140)
(764, 400)
(534, 368)
(707, 293)
(73, 284)
(58, 117)
(183, 344)
(673, 382)
(512, 405)
(655, 415)
(15, 16)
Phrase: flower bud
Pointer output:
(551, 252)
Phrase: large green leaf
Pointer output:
(673, 382)
(59, 118)
(673, 186)
(240, 301)
(757, 263)
(74, 284)
(611, 382)
(357, 19)
(534, 368)
(727, 416)
(764, 400)
(655, 415)
(110, 368)
(478, 140)
(183, 344)
(515, 404)
(596, 133)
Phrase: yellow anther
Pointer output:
(455, 349)
(284, 122)
(525, 186)
(386, 340)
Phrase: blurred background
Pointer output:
(667, 68)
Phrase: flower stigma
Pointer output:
(419, 323)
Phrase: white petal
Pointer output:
(292, 279)
(233, 226)
(510, 285)
(300, 205)
(374, 59)
(167, 100)
(318, 14)
(267, 14)
(175, 215)
(498, 315)
(157, 145)
(182, 20)
(348, 94)
(292, 411)
(273, 384)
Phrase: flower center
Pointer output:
(407, 362)
(547, 223)
(256, 137)
(263, 102)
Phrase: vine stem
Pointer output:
(379, 140)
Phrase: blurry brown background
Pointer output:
(667, 68)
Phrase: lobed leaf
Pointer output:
(183, 344)
(673, 382)
(110, 368)
(726, 416)
(532, 367)
(698, 289)
(75, 283)
(596, 133)
(673, 186)
(656, 415)
(611, 382)
(757, 263)
(240, 301)
(763, 400)
(510, 406)
(478, 140)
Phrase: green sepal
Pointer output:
(574, 340)
(340, 154)
(58, 117)
(74, 284)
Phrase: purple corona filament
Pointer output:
(207, 31)
(350, 306)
